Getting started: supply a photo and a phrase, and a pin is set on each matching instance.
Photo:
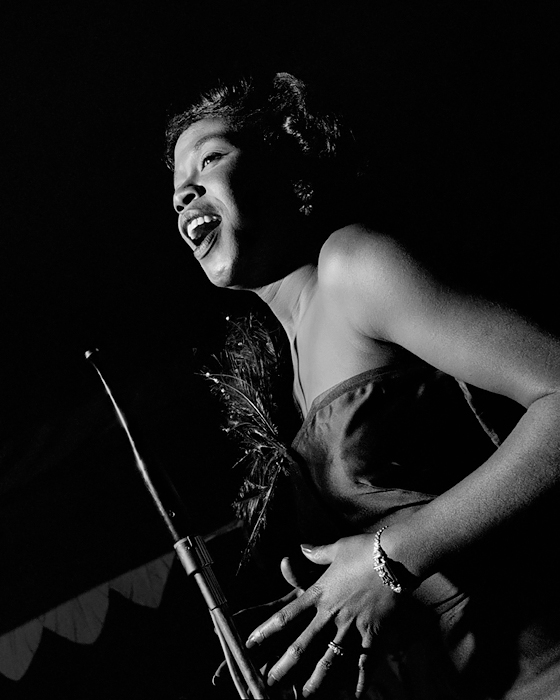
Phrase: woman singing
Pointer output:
(434, 534)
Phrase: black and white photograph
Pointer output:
(280, 360)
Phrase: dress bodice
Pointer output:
(384, 440)
(392, 439)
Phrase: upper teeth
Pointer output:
(195, 223)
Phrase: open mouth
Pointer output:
(197, 229)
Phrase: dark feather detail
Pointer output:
(249, 368)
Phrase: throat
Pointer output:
(291, 297)
(298, 391)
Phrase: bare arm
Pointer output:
(390, 297)
(386, 296)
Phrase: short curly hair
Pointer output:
(279, 114)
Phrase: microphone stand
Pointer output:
(196, 560)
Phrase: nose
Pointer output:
(185, 194)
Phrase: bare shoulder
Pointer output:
(345, 241)
(368, 272)
(357, 249)
(388, 295)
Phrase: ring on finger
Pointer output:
(336, 649)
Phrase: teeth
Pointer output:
(195, 223)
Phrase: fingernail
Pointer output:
(307, 547)
(254, 639)
(271, 680)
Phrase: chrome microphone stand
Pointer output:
(196, 560)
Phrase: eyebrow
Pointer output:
(209, 137)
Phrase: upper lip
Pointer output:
(191, 214)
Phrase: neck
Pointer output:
(289, 297)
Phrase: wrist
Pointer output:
(392, 572)
(406, 545)
(406, 541)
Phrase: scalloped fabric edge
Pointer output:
(81, 619)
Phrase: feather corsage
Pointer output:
(249, 370)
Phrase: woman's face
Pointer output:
(234, 213)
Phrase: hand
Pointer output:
(246, 619)
(351, 604)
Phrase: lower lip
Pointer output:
(204, 248)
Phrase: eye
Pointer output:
(210, 158)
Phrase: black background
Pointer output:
(453, 103)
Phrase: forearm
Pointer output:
(517, 475)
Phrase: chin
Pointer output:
(223, 277)
(229, 272)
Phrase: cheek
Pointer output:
(254, 179)
(257, 192)
(245, 185)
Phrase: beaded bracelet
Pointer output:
(384, 568)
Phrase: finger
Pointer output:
(291, 576)
(332, 656)
(218, 673)
(280, 620)
(247, 619)
(364, 662)
(294, 653)
(320, 554)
